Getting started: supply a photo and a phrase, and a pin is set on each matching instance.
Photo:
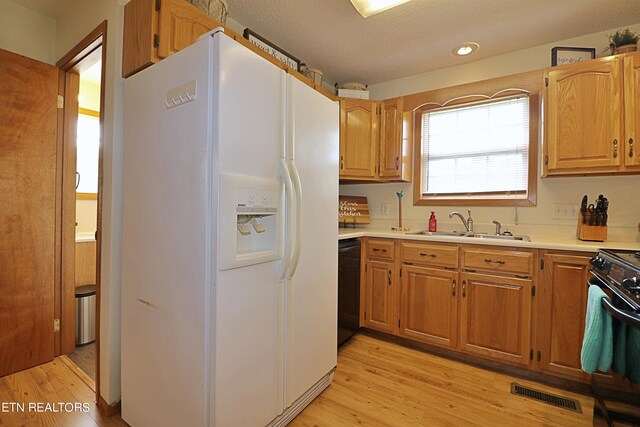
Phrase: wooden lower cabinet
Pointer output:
(495, 317)
(429, 305)
(378, 296)
(561, 315)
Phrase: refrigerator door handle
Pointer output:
(287, 231)
(298, 215)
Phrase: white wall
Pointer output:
(26, 32)
(622, 191)
(78, 19)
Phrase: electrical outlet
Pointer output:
(384, 210)
(565, 211)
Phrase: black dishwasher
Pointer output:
(348, 288)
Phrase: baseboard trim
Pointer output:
(302, 402)
(108, 410)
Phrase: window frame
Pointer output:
(478, 199)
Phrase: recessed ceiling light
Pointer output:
(465, 49)
(368, 8)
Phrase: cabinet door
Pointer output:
(584, 117)
(561, 314)
(495, 317)
(378, 312)
(631, 153)
(391, 139)
(428, 305)
(358, 139)
(180, 24)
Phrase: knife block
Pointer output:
(596, 233)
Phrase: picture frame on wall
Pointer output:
(561, 55)
(273, 50)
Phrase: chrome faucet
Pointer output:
(468, 223)
(498, 227)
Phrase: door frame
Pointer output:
(69, 66)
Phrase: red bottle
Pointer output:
(433, 222)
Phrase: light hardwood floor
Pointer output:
(376, 384)
(382, 384)
(52, 382)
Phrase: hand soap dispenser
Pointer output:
(433, 222)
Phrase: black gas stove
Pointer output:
(619, 271)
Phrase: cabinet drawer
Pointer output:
(378, 248)
(512, 261)
(435, 255)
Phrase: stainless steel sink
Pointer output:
(470, 235)
(438, 233)
(495, 236)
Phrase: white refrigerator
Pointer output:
(229, 246)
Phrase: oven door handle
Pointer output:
(627, 317)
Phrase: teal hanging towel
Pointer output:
(597, 345)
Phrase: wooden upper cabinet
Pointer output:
(155, 29)
(631, 153)
(375, 144)
(391, 160)
(358, 139)
(180, 24)
(584, 117)
(495, 317)
(561, 315)
(429, 306)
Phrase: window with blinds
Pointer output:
(480, 149)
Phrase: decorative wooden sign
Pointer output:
(273, 50)
(353, 210)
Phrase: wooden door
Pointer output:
(391, 139)
(378, 312)
(28, 123)
(495, 317)
(180, 24)
(561, 314)
(428, 305)
(358, 139)
(631, 152)
(584, 115)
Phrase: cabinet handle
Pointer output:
(464, 288)
(389, 276)
(397, 163)
(499, 261)
(615, 148)
(630, 147)
(341, 162)
(379, 250)
(429, 255)
(453, 288)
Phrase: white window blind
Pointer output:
(482, 148)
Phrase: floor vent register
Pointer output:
(541, 396)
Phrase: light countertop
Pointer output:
(538, 240)
(82, 237)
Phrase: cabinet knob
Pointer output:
(630, 147)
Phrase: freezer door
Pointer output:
(247, 338)
(311, 293)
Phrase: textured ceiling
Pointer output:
(418, 36)
(52, 8)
